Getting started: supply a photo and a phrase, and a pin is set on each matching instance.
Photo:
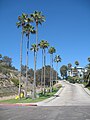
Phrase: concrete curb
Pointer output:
(51, 98)
(85, 89)
(19, 104)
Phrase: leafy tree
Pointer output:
(7, 61)
(88, 72)
(89, 59)
(52, 50)
(0, 56)
(63, 71)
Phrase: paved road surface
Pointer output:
(45, 113)
(71, 95)
(72, 104)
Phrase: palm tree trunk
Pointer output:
(26, 68)
(34, 83)
(44, 68)
(36, 41)
(52, 70)
(42, 71)
(56, 72)
(21, 44)
(50, 73)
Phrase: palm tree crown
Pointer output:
(28, 29)
(38, 17)
(57, 58)
(52, 50)
(44, 44)
(22, 20)
(34, 47)
(76, 63)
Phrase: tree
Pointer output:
(57, 59)
(43, 44)
(88, 72)
(76, 63)
(63, 71)
(7, 61)
(0, 56)
(38, 18)
(69, 68)
(28, 28)
(89, 60)
(34, 49)
(21, 23)
(51, 51)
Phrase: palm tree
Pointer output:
(43, 44)
(27, 30)
(51, 51)
(21, 23)
(38, 18)
(34, 49)
(76, 63)
(57, 59)
(69, 68)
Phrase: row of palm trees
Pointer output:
(24, 21)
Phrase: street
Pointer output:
(73, 103)
(71, 95)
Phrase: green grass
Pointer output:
(23, 100)
(29, 100)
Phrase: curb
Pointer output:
(85, 89)
(19, 104)
(51, 98)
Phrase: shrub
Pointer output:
(15, 81)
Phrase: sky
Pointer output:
(67, 28)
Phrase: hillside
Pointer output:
(7, 84)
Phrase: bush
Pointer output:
(15, 81)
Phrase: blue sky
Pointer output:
(67, 28)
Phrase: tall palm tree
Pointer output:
(76, 63)
(69, 68)
(43, 45)
(38, 18)
(27, 30)
(57, 59)
(21, 23)
(34, 49)
(51, 51)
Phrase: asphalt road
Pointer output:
(45, 113)
(71, 95)
(72, 104)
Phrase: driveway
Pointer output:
(71, 95)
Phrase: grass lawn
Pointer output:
(29, 100)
